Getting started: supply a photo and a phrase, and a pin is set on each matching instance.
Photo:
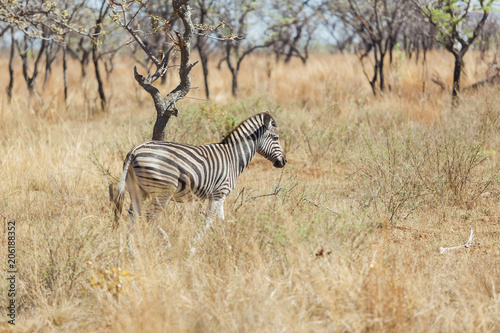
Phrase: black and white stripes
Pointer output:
(172, 171)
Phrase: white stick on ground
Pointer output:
(467, 244)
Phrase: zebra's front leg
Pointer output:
(220, 213)
(215, 208)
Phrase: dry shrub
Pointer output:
(446, 163)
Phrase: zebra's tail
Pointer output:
(119, 196)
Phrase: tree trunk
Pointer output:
(456, 77)
(100, 87)
(289, 54)
(48, 65)
(374, 79)
(50, 56)
(234, 85)
(391, 49)
(382, 52)
(204, 65)
(11, 70)
(65, 73)
(84, 61)
(95, 59)
(200, 46)
(232, 69)
(417, 50)
(381, 73)
(424, 58)
(293, 47)
(30, 81)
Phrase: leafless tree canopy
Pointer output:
(378, 25)
(155, 32)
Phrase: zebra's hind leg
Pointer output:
(130, 234)
(215, 208)
(157, 206)
(137, 196)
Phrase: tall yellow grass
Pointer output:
(324, 254)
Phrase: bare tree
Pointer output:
(377, 23)
(203, 46)
(417, 37)
(103, 11)
(489, 37)
(343, 37)
(78, 50)
(293, 26)
(11, 60)
(48, 25)
(51, 52)
(165, 107)
(458, 24)
(237, 15)
(25, 47)
(74, 10)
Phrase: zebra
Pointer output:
(168, 171)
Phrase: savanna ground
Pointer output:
(348, 242)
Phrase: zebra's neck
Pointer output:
(243, 142)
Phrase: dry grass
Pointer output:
(404, 173)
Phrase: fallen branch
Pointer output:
(492, 80)
(467, 244)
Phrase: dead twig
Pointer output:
(249, 197)
(467, 244)
(319, 206)
(278, 189)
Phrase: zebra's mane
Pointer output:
(261, 121)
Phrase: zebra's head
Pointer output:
(270, 146)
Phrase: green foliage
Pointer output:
(220, 120)
(452, 17)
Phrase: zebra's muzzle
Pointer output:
(280, 162)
